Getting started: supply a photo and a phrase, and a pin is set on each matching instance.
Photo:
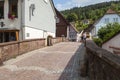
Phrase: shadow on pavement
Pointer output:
(72, 70)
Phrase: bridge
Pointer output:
(62, 61)
(58, 62)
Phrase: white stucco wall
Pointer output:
(42, 24)
(44, 16)
(33, 33)
(36, 33)
(115, 42)
(102, 22)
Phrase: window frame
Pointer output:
(2, 4)
(13, 4)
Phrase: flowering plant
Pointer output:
(11, 16)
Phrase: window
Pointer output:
(1, 9)
(28, 34)
(106, 20)
(13, 8)
(115, 19)
(57, 20)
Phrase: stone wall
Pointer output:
(57, 40)
(12, 49)
(101, 64)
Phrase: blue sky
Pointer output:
(67, 4)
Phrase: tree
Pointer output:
(91, 12)
(72, 17)
(80, 26)
(107, 32)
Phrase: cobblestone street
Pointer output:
(58, 62)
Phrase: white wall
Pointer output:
(36, 33)
(115, 42)
(44, 16)
(102, 22)
(33, 33)
(43, 21)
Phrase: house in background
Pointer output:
(62, 26)
(85, 21)
(110, 17)
(113, 44)
(26, 19)
(72, 33)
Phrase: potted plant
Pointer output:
(11, 16)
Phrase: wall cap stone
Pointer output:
(105, 55)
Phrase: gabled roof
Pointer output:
(89, 28)
(53, 7)
(112, 37)
(61, 16)
(73, 27)
(110, 11)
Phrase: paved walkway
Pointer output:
(58, 62)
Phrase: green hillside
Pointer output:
(91, 13)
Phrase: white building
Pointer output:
(72, 33)
(110, 17)
(26, 19)
(113, 44)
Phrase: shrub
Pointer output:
(98, 41)
(108, 31)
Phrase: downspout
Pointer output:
(22, 36)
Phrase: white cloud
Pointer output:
(88, 2)
(77, 3)
(59, 6)
(64, 6)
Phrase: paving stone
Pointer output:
(58, 62)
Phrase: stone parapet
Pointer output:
(12, 49)
(101, 64)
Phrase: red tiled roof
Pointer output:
(110, 11)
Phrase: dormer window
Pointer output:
(13, 8)
(1, 9)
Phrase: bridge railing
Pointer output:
(10, 50)
(101, 64)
